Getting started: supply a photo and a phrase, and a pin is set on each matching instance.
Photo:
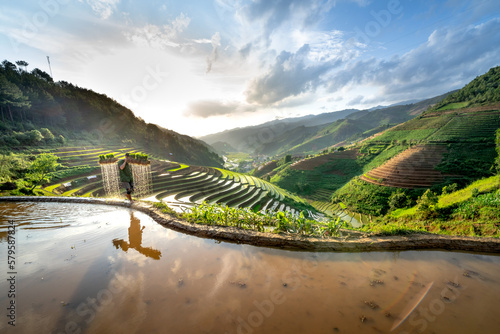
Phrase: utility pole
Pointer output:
(50, 69)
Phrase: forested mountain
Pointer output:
(483, 89)
(32, 101)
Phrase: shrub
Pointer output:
(11, 141)
(426, 203)
(33, 137)
(489, 213)
(450, 188)
(399, 200)
(61, 140)
(47, 135)
(497, 142)
(283, 161)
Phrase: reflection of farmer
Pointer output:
(126, 176)
(135, 240)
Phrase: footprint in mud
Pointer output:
(454, 284)
(470, 273)
(376, 282)
(375, 277)
(474, 274)
(239, 284)
(371, 304)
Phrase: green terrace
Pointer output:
(173, 183)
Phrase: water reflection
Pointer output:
(74, 280)
(135, 240)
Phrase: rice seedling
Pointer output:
(245, 218)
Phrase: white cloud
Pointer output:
(291, 75)
(447, 58)
(210, 108)
(160, 37)
(103, 8)
(215, 41)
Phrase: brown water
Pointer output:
(100, 269)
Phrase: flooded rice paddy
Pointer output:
(100, 269)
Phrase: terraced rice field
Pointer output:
(354, 219)
(412, 168)
(470, 126)
(79, 156)
(311, 163)
(195, 185)
(176, 184)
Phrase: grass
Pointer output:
(399, 135)
(390, 228)
(451, 106)
(483, 186)
(403, 212)
(469, 228)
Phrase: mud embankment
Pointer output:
(349, 241)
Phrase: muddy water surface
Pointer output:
(99, 269)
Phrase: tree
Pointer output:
(8, 66)
(497, 160)
(22, 63)
(40, 168)
(11, 96)
(42, 75)
(427, 202)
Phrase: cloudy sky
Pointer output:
(202, 66)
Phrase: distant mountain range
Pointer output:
(313, 133)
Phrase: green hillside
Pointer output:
(472, 211)
(451, 143)
(332, 134)
(36, 111)
(485, 89)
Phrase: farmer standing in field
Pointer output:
(126, 176)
